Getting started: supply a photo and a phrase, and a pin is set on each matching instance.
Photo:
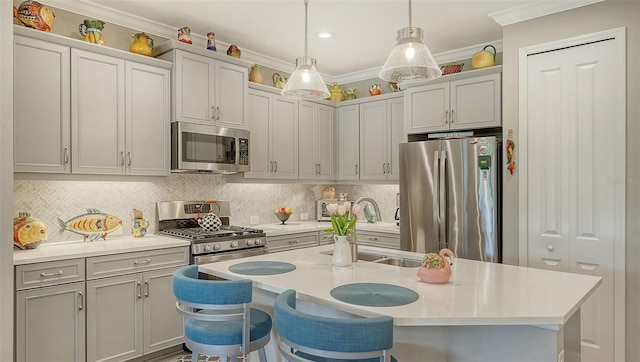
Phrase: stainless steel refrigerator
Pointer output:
(450, 197)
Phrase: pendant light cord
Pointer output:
(306, 37)
(410, 25)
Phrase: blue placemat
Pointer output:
(262, 267)
(374, 294)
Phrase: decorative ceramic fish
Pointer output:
(28, 232)
(92, 225)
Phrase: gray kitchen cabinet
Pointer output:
(273, 123)
(131, 307)
(379, 239)
(41, 105)
(465, 102)
(206, 90)
(50, 311)
(292, 241)
(381, 130)
(315, 144)
(348, 142)
(119, 116)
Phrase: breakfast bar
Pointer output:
(487, 311)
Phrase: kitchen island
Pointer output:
(486, 312)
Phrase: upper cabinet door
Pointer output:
(41, 88)
(147, 120)
(475, 102)
(347, 137)
(258, 116)
(194, 91)
(307, 165)
(97, 113)
(284, 138)
(396, 135)
(373, 140)
(324, 141)
(230, 105)
(428, 108)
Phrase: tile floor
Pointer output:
(186, 357)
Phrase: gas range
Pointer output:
(178, 219)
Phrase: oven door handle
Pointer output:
(221, 256)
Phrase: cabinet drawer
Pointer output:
(326, 238)
(292, 241)
(49, 273)
(379, 239)
(120, 264)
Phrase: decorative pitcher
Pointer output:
(211, 41)
(341, 251)
(142, 44)
(436, 268)
(91, 30)
(350, 93)
(337, 95)
(279, 81)
(184, 35)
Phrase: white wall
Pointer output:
(589, 19)
(6, 181)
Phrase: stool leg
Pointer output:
(262, 355)
(194, 357)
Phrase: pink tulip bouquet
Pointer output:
(343, 218)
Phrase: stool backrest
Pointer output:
(330, 334)
(188, 288)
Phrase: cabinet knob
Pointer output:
(550, 248)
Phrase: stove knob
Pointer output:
(207, 247)
(234, 244)
(258, 242)
(251, 242)
(216, 247)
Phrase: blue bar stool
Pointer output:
(306, 337)
(218, 319)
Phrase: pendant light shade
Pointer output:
(410, 59)
(305, 82)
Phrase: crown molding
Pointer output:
(441, 58)
(536, 10)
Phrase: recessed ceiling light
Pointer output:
(325, 35)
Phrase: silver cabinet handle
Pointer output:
(59, 272)
(121, 158)
(81, 305)
(270, 166)
(217, 113)
(66, 155)
(139, 290)
(146, 261)
(356, 168)
(319, 169)
(129, 158)
(292, 242)
(384, 167)
(213, 113)
(275, 164)
(446, 116)
(146, 287)
(452, 117)
(372, 238)
(388, 168)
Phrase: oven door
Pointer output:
(196, 147)
(214, 257)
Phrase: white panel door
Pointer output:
(373, 140)
(571, 203)
(348, 138)
(324, 141)
(307, 166)
(284, 138)
(194, 91)
(475, 102)
(147, 120)
(428, 108)
(163, 326)
(97, 113)
(230, 95)
(41, 117)
(395, 130)
(258, 116)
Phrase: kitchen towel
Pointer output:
(374, 294)
(262, 267)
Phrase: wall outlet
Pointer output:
(254, 220)
(304, 216)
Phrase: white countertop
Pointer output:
(478, 293)
(79, 249)
(275, 229)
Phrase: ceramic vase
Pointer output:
(341, 251)
(211, 41)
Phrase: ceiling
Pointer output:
(365, 31)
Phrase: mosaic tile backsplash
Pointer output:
(49, 200)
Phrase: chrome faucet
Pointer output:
(375, 206)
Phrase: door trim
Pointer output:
(619, 178)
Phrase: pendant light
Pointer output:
(305, 82)
(410, 59)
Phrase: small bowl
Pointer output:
(282, 216)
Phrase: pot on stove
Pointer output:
(209, 222)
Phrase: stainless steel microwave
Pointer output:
(321, 208)
(204, 148)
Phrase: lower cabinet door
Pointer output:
(50, 323)
(114, 318)
(163, 326)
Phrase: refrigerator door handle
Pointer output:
(436, 194)
(442, 198)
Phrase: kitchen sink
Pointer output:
(383, 259)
